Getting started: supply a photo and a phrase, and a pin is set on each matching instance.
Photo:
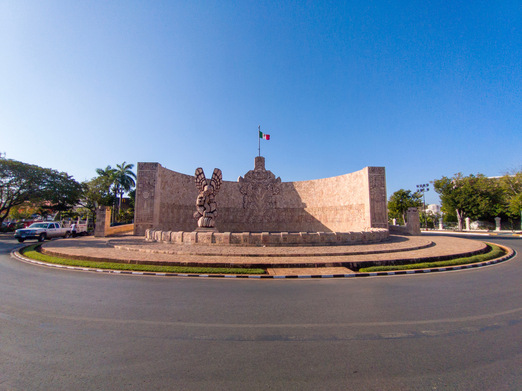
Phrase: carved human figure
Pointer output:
(206, 200)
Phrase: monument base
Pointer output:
(204, 229)
(210, 236)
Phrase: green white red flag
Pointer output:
(264, 136)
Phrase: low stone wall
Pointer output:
(103, 224)
(267, 238)
(120, 229)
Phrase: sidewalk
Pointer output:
(476, 232)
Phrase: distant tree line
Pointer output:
(22, 183)
(30, 189)
(475, 196)
(481, 198)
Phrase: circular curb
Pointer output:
(510, 253)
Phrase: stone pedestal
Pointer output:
(497, 223)
(441, 224)
(103, 221)
(413, 221)
(468, 221)
(394, 221)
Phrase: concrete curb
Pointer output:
(475, 233)
(510, 253)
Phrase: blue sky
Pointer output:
(425, 89)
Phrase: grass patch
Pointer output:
(494, 252)
(31, 252)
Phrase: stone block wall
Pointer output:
(260, 202)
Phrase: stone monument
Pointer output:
(258, 188)
(259, 205)
(206, 212)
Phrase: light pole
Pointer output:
(423, 188)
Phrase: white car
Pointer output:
(42, 231)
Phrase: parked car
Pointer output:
(42, 231)
(8, 226)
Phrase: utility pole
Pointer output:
(423, 188)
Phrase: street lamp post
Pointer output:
(423, 188)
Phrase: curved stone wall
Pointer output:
(260, 202)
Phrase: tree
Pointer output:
(474, 196)
(511, 184)
(108, 176)
(24, 211)
(21, 182)
(61, 192)
(119, 180)
(124, 180)
(400, 201)
(97, 192)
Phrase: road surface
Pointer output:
(69, 330)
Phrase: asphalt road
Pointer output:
(68, 330)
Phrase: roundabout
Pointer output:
(278, 262)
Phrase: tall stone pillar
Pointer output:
(145, 212)
(413, 221)
(468, 220)
(103, 221)
(378, 202)
(497, 223)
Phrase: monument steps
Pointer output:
(280, 251)
(398, 252)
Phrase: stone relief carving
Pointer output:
(206, 203)
(258, 187)
(145, 192)
(377, 185)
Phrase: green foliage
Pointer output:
(476, 197)
(126, 216)
(31, 252)
(97, 191)
(43, 187)
(400, 201)
(22, 212)
(115, 181)
(124, 177)
(124, 180)
(511, 184)
(495, 252)
(61, 192)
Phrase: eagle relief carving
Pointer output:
(259, 187)
(206, 202)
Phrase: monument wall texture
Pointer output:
(260, 202)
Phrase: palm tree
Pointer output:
(124, 180)
(107, 172)
(109, 175)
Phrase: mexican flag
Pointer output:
(264, 136)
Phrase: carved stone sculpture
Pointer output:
(206, 202)
(259, 186)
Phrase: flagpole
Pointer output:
(259, 139)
